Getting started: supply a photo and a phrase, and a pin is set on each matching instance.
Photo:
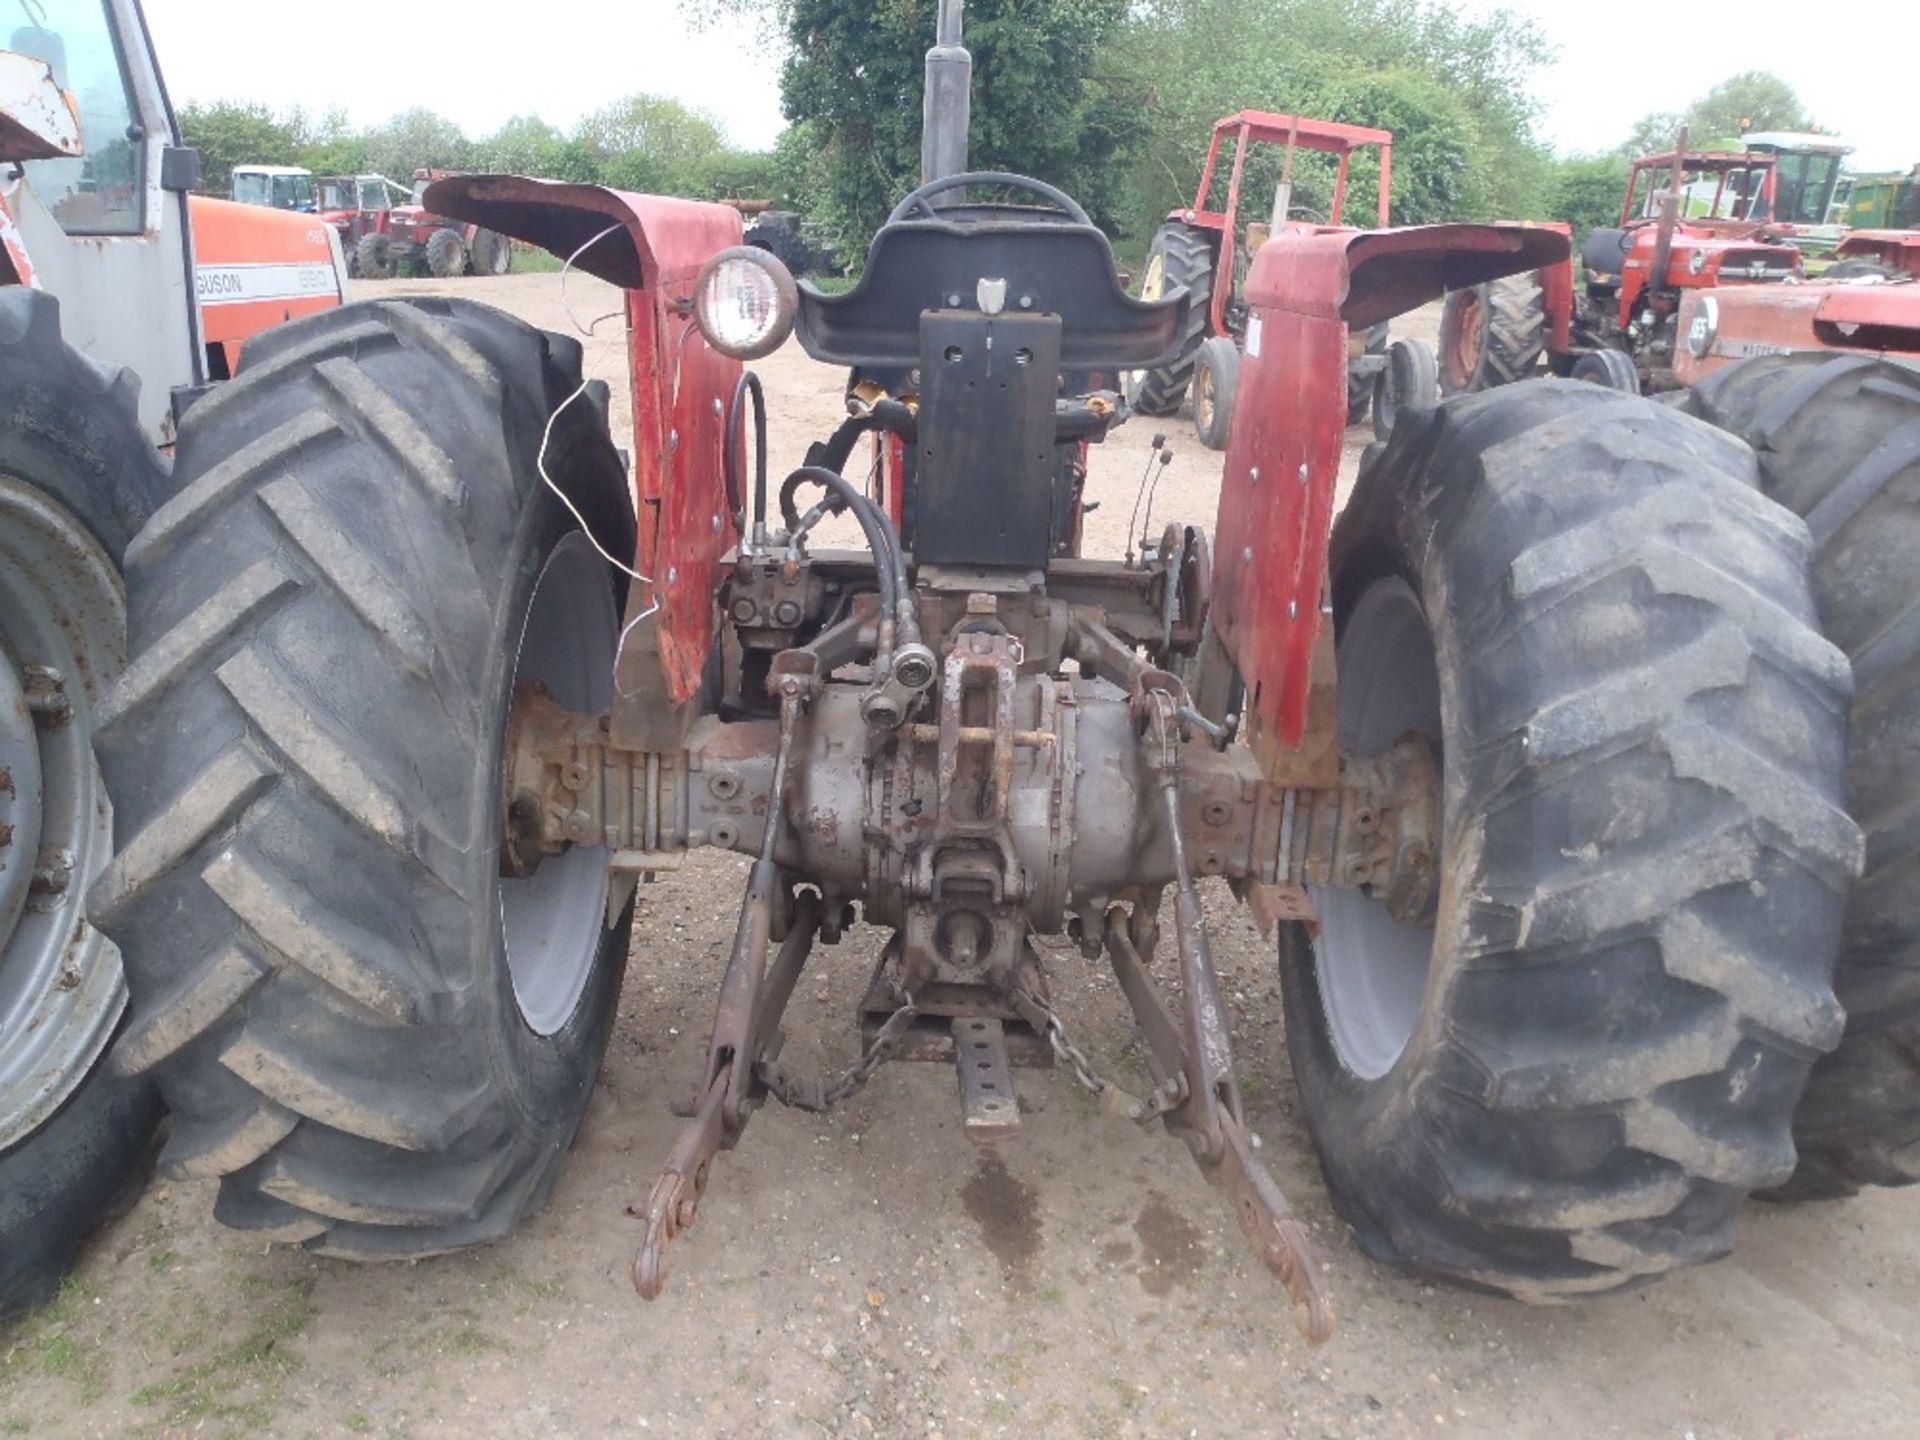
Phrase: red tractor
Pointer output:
(1867, 303)
(358, 206)
(1209, 252)
(410, 236)
(1535, 758)
(1710, 226)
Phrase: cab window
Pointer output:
(250, 188)
(293, 192)
(102, 192)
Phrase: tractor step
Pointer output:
(988, 1104)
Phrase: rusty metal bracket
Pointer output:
(732, 1085)
(1211, 1117)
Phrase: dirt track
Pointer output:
(870, 1273)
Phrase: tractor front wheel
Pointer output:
(1612, 368)
(1571, 1080)
(379, 1044)
(1839, 443)
(1216, 380)
(1408, 381)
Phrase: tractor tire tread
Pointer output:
(1838, 441)
(1188, 261)
(1582, 1156)
(314, 1025)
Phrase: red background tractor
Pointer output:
(1208, 252)
(412, 235)
(1618, 326)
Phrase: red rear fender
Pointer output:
(1283, 456)
(653, 248)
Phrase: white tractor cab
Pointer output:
(1808, 180)
(281, 187)
(117, 292)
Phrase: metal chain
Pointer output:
(803, 1093)
(1064, 1050)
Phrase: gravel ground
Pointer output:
(871, 1273)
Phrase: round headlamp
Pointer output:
(744, 301)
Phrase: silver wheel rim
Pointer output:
(62, 609)
(553, 920)
(1373, 971)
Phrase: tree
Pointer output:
(1451, 90)
(1586, 191)
(414, 139)
(1043, 103)
(333, 146)
(227, 134)
(528, 145)
(1751, 100)
(651, 143)
(1654, 133)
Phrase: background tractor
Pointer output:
(357, 206)
(1536, 758)
(1690, 220)
(413, 236)
(1207, 250)
(121, 298)
(1810, 191)
(278, 187)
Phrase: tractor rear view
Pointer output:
(1208, 253)
(1536, 757)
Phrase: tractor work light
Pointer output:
(744, 302)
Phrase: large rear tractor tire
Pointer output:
(446, 254)
(1572, 1080)
(1180, 257)
(1492, 334)
(78, 475)
(1839, 443)
(786, 245)
(379, 1045)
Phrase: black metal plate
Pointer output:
(984, 471)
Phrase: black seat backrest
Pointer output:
(1049, 267)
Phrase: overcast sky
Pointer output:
(481, 61)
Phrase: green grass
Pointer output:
(52, 1341)
(529, 261)
(238, 1386)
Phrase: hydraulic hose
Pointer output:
(748, 384)
(896, 589)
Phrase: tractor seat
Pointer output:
(1049, 266)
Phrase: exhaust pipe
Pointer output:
(945, 109)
